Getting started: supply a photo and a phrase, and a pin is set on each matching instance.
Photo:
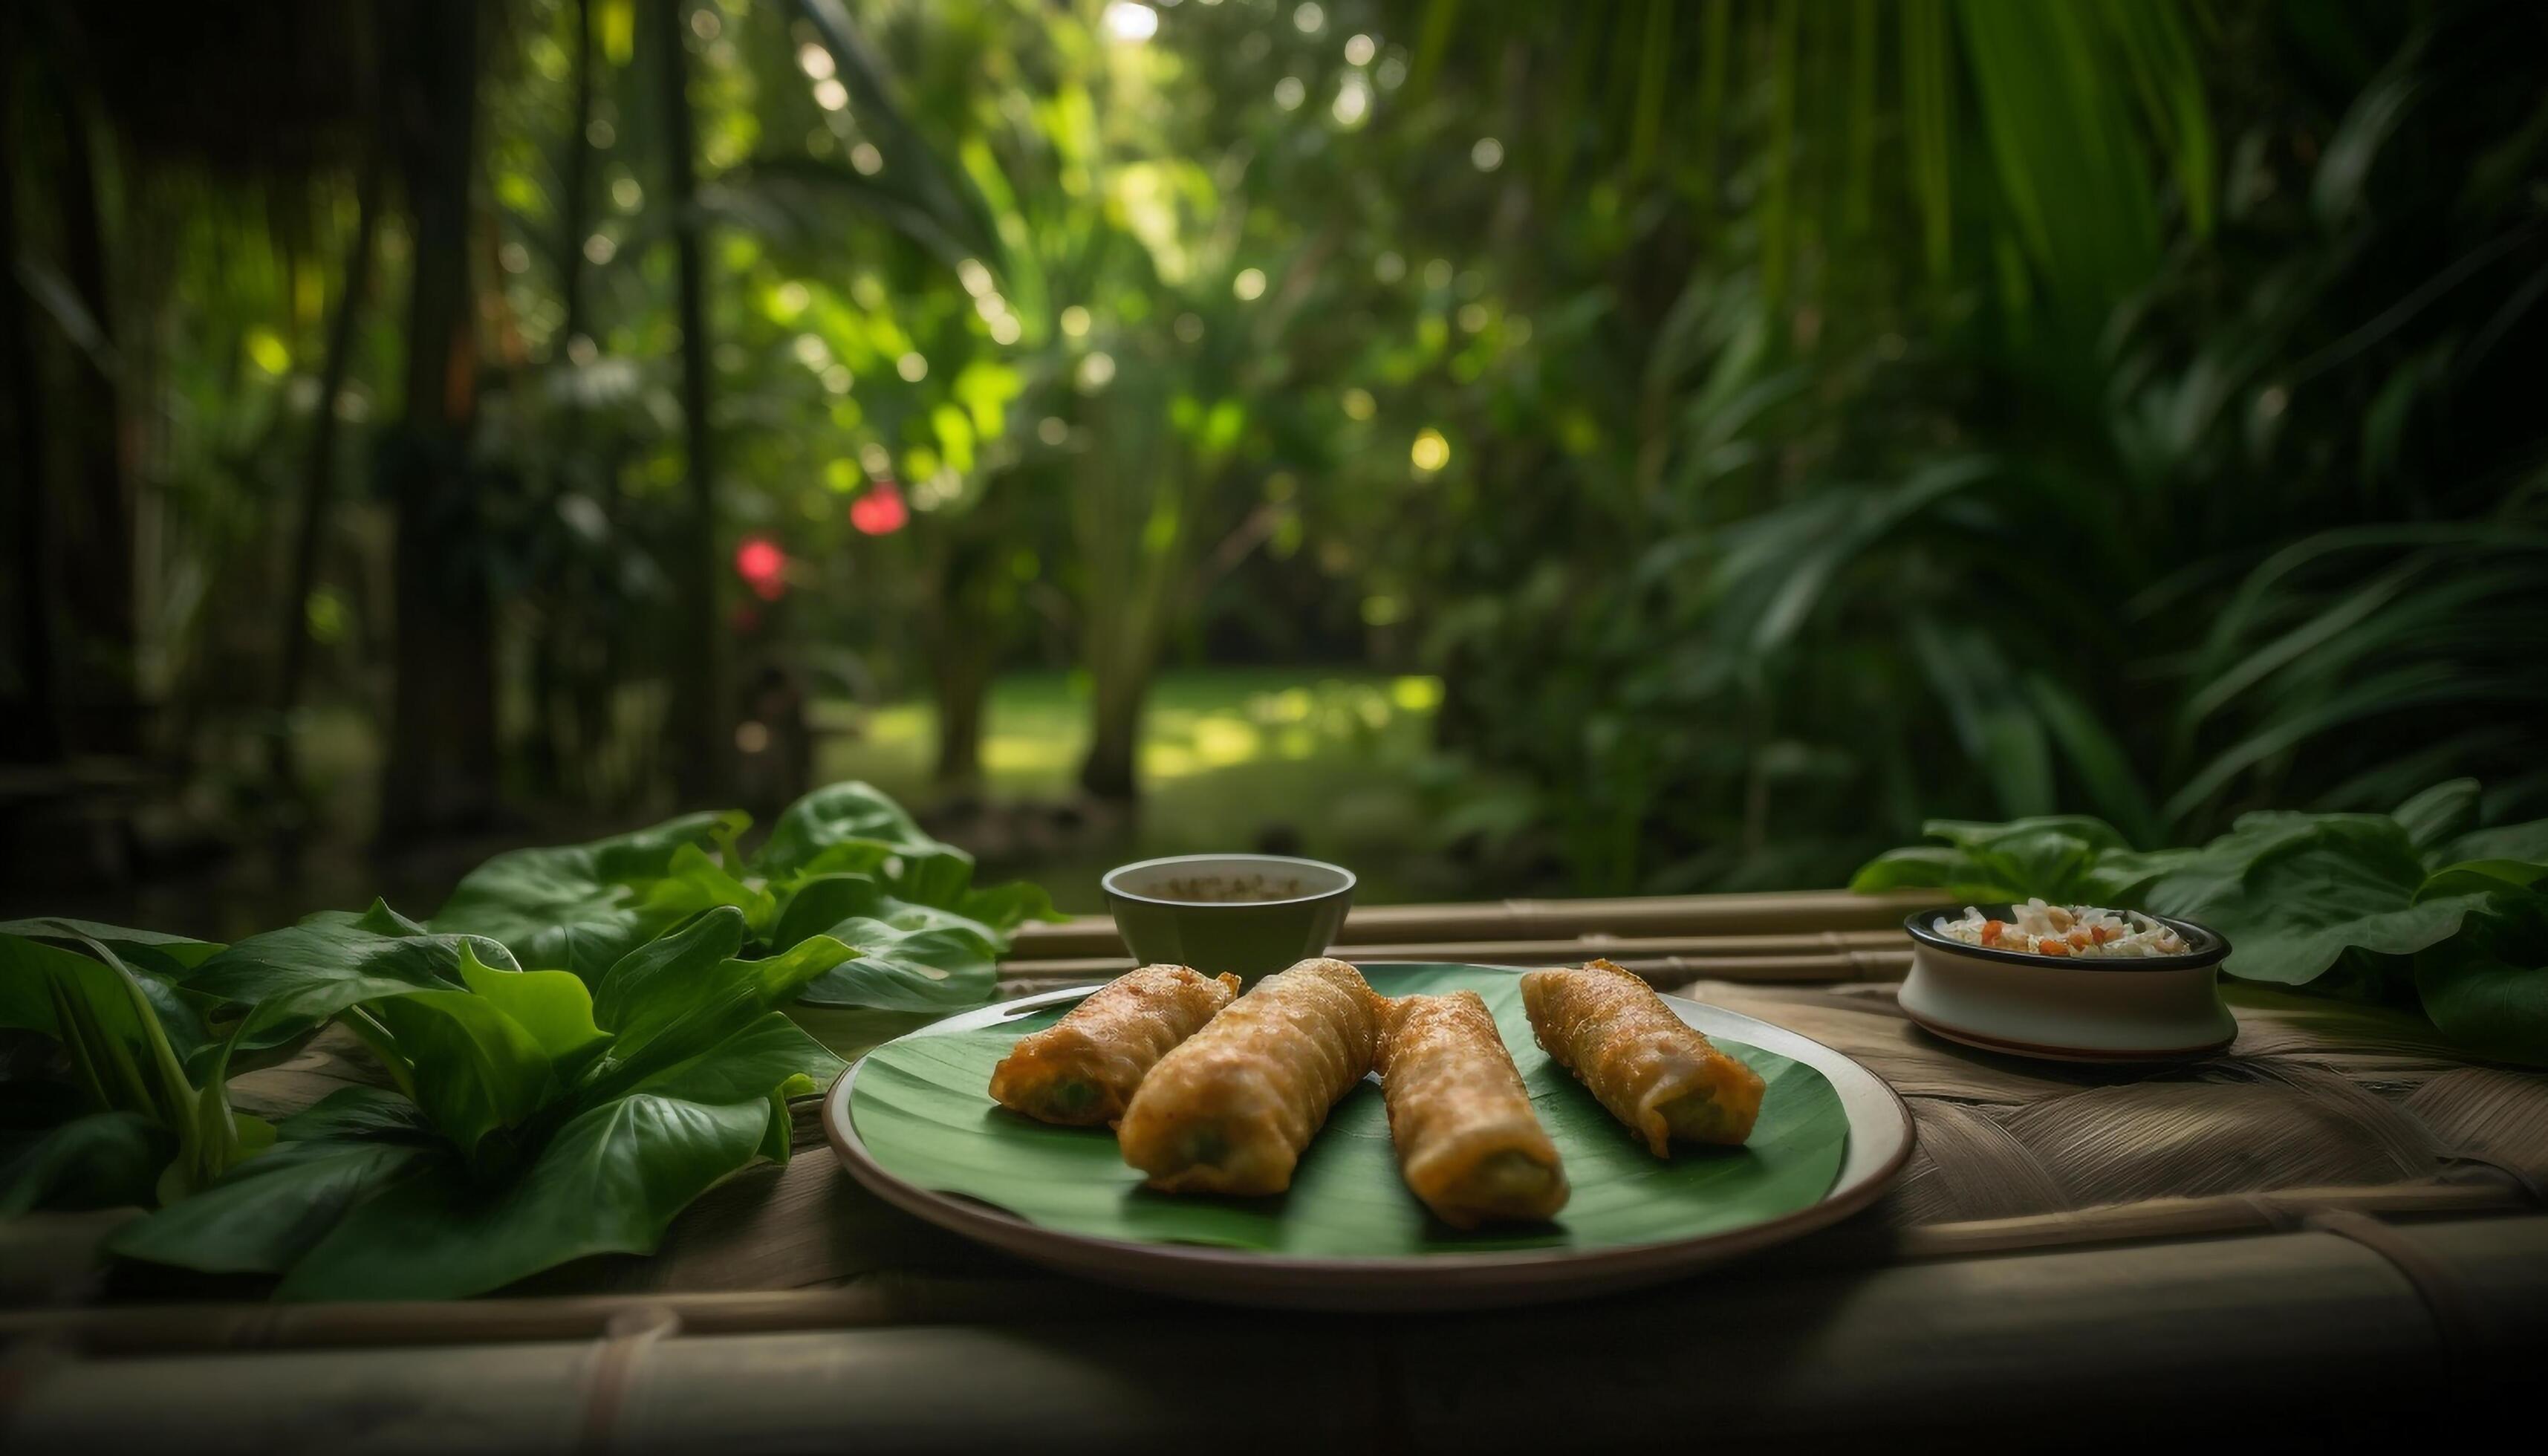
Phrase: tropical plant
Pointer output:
(123, 1119)
(534, 1120)
(583, 1041)
(2423, 905)
(2054, 507)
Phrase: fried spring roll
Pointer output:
(1083, 1069)
(1230, 1109)
(1653, 1070)
(1467, 1143)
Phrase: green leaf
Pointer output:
(581, 907)
(1968, 834)
(2294, 892)
(270, 1210)
(609, 1182)
(2438, 814)
(1915, 866)
(105, 1160)
(920, 1109)
(1005, 907)
(2504, 842)
(353, 1114)
(2488, 987)
(552, 1005)
(684, 1016)
(476, 1070)
(693, 882)
(821, 901)
(142, 948)
(772, 1053)
(332, 961)
(108, 1018)
(930, 960)
(663, 969)
(840, 813)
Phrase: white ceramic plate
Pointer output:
(1879, 1141)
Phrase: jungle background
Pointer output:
(1619, 447)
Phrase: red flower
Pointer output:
(881, 511)
(762, 564)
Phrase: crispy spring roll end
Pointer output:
(1721, 1112)
(1070, 1100)
(1218, 1156)
(1506, 1186)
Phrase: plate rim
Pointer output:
(1243, 1275)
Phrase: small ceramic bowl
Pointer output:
(1251, 914)
(2143, 1008)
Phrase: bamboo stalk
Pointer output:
(1782, 912)
(891, 1300)
(1664, 959)
(2273, 1330)
(2160, 1219)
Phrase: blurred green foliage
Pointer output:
(1775, 423)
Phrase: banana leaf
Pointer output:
(920, 1106)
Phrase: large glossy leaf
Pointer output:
(921, 1108)
(140, 948)
(2489, 985)
(271, 1207)
(769, 1052)
(681, 1016)
(2502, 842)
(109, 1019)
(477, 1072)
(920, 960)
(643, 982)
(840, 813)
(581, 907)
(772, 1057)
(332, 961)
(2294, 892)
(102, 1160)
(609, 1182)
(2439, 814)
(551, 1006)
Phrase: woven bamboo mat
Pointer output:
(2315, 1112)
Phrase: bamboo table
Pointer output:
(2333, 1230)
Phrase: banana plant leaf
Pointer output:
(920, 1107)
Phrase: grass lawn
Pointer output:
(1229, 756)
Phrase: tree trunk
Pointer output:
(963, 689)
(703, 711)
(31, 730)
(318, 477)
(574, 211)
(441, 767)
(962, 638)
(1114, 735)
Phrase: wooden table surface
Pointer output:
(2331, 1226)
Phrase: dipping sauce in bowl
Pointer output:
(1250, 914)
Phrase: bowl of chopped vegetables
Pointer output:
(2068, 982)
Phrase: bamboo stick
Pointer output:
(1664, 970)
(890, 1300)
(1818, 956)
(2274, 1330)
(1783, 912)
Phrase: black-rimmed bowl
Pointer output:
(2082, 1008)
(1249, 914)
